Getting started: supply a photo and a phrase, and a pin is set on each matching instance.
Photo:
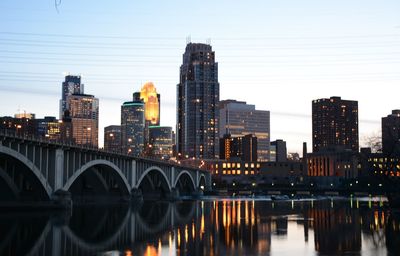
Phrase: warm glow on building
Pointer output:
(149, 96)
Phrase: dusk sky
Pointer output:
(277, 55)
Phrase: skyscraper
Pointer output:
(84, 113)
(112, 138)
(334, 123)
(148, 94)
(239, 119)
(197, 103)
(71, 85)
(132, 127)
(391, 134)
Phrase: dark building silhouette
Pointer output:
(334, 123)
(112, 138)
(391, 134)
(197, 103)
(280, 150)
(238, 148)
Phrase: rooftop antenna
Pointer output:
(188, 39)
(208, 41)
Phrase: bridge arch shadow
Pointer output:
(185, 183)
(20, 179)
(154, 183)
(97, 179)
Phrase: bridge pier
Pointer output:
(173, 195)
(62, 198)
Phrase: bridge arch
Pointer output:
(202, 181)
(94, 163)
(31, 166)
(157, 169)
(184, 172)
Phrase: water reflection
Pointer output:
(220, 227)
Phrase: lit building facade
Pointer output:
(239, 119)
(391, 134)
(238, 148)
(49, 128)
(84, 113)
(197, 103)
(334, 123)
(160, 141)
(132, 127)
(71, 85)
(148, 94)
(333, 162)
(112, 138)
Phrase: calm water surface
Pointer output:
(210, 227)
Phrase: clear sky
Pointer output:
(278, 55)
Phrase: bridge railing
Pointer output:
(9, 133)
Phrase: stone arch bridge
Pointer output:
(38, 169)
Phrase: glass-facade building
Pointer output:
(239, 119)
(160, 139)
(112, 138)
(71, 85)
(132, 127)
(197, 103)
(84, 113)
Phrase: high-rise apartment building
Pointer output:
(334, 123)
(197, 103)
(391, 134)
(239, 119)
(71, 85)
(132, 127)
(84, 113)
(112, 138)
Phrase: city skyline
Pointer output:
(286, 56)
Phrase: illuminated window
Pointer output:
(246, 165)
(238, 172)
(224, 165)
(238, 165)
(229, 172)
(252, 172)
(233, 172)
(229, 165)
(224, 172)
(246, 172)
(252, 165)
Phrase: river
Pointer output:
(213, 226)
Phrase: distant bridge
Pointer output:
(32, 169)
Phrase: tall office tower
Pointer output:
(197, 103)
(148, 94)
(160, 141)
(112, 138)
(84, 113)
(280, 150)
(334, 123)
(71, 85)
(391, 134)
(239, 119)
(132, 127)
